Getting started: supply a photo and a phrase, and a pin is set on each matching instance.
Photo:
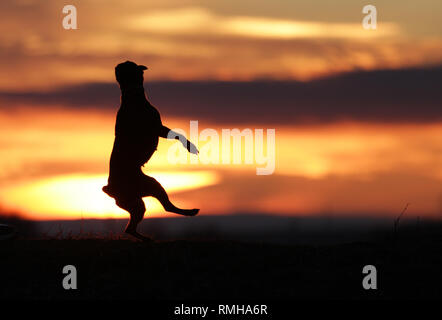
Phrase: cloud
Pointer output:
(198, 20)
(385, 194)
(410, 95)
(216, 40)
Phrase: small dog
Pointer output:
(137, 131)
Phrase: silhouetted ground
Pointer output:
(408, 266)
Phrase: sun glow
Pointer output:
(78, 196)
(54, 163)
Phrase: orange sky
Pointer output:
(54, 158)
(51, 169)
(216, 39)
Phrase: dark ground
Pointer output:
(408, 266)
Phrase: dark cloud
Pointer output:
(408, 95)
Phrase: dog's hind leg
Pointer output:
(152, 187)
(136, 209)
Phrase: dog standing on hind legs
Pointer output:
(137, 131)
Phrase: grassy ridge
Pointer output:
(214, 270)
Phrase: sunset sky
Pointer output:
(357, 113)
